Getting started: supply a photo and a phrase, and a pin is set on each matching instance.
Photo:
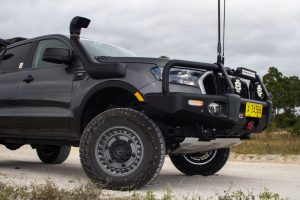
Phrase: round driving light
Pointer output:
(214, 108)
(238, 86)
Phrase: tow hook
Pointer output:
(250, 125)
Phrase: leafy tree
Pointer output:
(285, 93)
(164, 57)
(294, 83)
(274, 83)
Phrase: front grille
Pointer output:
(209, 85)
(244, 92)
(223, 87)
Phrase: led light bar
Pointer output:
(246, 72)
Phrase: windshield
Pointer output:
(98, 49)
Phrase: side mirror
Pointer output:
(57, 55)
(7, 56)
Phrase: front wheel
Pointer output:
(122, 149)
(205, 164)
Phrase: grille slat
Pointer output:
(223, 86)
(244, 91)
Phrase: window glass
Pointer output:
(96, 49)
(43, 45)
(14, 57)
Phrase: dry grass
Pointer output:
(50, 191)
(280, 142)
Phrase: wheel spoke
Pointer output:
(201, 158)
(123, 151)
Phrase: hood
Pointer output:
(144, 60)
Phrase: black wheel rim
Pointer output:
(201, 158)
(47, 150)
(119, 151)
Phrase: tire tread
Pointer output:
(157, 141)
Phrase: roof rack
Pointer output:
(4, 43)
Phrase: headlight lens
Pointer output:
(179, 75)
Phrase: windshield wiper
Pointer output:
(102, 57)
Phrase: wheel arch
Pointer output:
(101, 88)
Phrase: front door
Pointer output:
(45, 95)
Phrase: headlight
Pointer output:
(179, 75)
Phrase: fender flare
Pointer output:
(103, 85)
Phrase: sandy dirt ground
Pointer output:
(280, 174)
(271, 159)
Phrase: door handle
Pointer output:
(28, 79)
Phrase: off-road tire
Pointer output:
(52, 154)
(210, 167)
(150, 138)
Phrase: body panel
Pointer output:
(45, 103)
(8, 100)
(51, 106)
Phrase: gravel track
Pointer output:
(23, 167)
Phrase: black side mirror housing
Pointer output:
(7, 56)
(57, 55)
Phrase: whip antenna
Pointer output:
(221, 48)
(224, 20)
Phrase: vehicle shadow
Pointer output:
(181, 182)
(167, 177)
(29, 167)
(38, 168)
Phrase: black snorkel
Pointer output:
(95, 69)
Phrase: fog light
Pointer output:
(214, 108)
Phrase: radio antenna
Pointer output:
(224, 20)
(221, 48)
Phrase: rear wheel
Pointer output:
(205, 164)
(52, 154)
(122, 149)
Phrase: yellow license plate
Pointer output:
(254, 110)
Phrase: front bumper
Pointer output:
(174, 108)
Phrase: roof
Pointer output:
(4, 43)
(19, 40)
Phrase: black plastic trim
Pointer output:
(96, 69)
(174, 106)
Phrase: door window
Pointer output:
(42, 46)
(14, 58)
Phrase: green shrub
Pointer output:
(296, 127)
(272, 127)
(284, 121)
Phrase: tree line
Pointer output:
(285, 93)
